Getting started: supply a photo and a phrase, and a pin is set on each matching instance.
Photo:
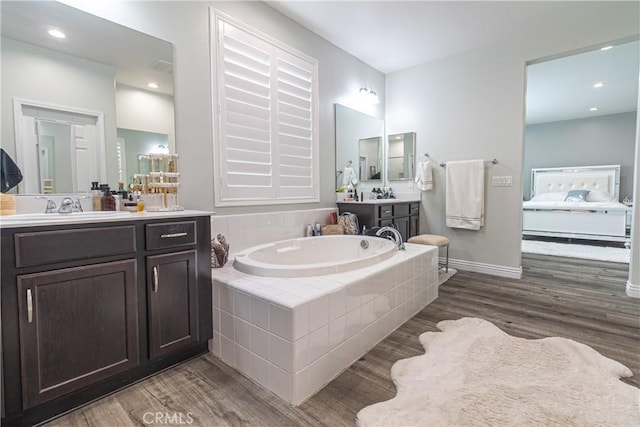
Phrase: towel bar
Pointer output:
(493, 162)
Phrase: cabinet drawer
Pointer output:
(385, 211)
(414, 208)
(47, 247)
(401, 210)
(170, 234)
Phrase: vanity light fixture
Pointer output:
(598, 85)
(153, 85)
(593, 109)
(369, 95)
(57, 34)
(606, 48)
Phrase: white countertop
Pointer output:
(33, 220)
(381, 201)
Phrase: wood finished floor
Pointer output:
(572, 298)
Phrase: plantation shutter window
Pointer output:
(266, 141)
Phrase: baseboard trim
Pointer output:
(478, 267)
(633, 290)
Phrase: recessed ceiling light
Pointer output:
(57, 34)
(598, 85)
(606, 48)
(593, 109)
(153, 85)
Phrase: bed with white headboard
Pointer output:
(576, 202)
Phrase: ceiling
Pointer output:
(395, 35)
(562, 89)
(381, 33)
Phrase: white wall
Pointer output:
(471, 106)
(601, 140)
(186, 25)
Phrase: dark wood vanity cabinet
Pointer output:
(172, 293)
(77, 326)
(404, 216)
(90, 308)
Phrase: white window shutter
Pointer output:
(267, 145)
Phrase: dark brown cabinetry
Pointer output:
(171, 293)
(404, 216)
(77, 326)
(88, 309)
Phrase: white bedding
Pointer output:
(596, 215)
(574, 206)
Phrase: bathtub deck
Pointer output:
(217, 395)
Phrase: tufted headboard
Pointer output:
(550, 180)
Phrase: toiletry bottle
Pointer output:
(130, 205)
(96, 196)
(140, 204)
(309, 230)
(108, 201)
(318, 229)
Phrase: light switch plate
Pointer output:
(502, 181)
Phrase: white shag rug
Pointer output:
(473, 373)
(570, 250)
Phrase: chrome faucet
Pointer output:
(51, 205)
(66, 206)
(397, 237)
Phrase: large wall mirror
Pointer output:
(400, 156)
(359, 147)
(77, 109)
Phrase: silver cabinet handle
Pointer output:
(169, 236)
(155, 279)
(29, 306)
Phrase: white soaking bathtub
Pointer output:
(314, 256)
(294, 334)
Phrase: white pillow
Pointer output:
(600, 196)
(549, 197)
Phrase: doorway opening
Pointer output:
(579, 145)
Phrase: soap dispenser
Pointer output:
(108, 201)
(96, 196)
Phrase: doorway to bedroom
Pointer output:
(579, 151)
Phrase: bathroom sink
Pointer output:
(59, 216)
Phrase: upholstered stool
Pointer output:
(433, 240)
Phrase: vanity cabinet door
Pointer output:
(402, 225)
(77, 326)
(413, 226)
(172, 300)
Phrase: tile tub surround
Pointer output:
(294, 335)
(247, 230)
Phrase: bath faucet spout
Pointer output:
(397, 237)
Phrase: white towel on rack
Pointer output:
(349, 177)
(465, 194)
(424, 175)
